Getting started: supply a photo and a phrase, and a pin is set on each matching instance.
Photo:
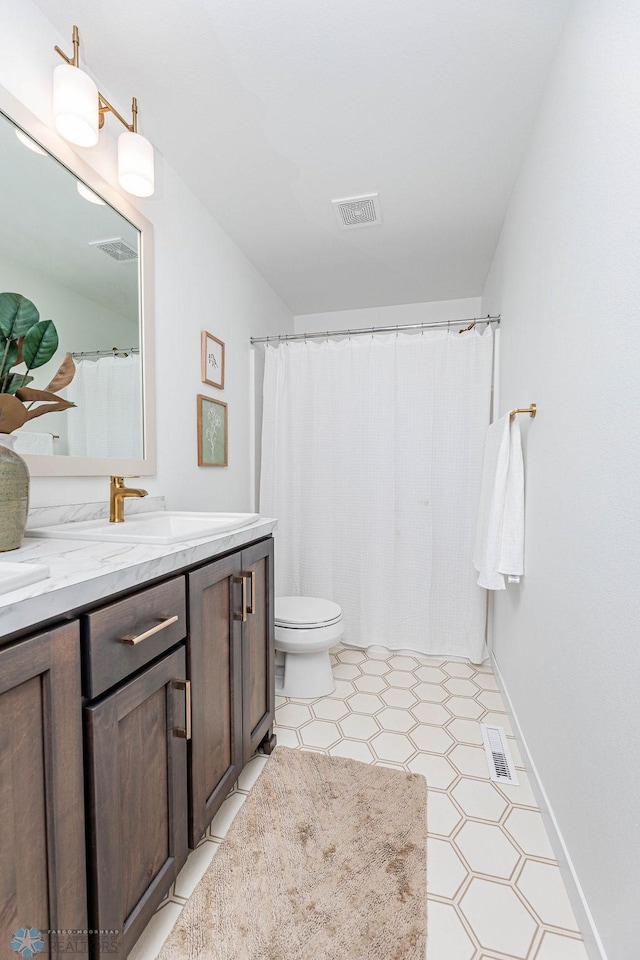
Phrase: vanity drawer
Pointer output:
(121, 637)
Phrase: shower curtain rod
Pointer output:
(362, 330)
(114, 352)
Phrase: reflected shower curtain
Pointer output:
(107, 420)
(372, 454)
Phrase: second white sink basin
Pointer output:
(163, 526)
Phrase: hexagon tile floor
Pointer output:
(494, 888)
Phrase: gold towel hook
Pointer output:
(531, 410)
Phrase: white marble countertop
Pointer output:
(85, 572)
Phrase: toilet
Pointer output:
(306, 628)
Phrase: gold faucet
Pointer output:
(117, 494)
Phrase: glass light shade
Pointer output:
(29, 143)
(75, 105)
(88, 194)
(135, 164)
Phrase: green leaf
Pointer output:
(10, 357)
(40, 344)
(17, 315)
(16, 381)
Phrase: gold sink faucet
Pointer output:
(117, 494)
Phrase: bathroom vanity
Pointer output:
(126, 718)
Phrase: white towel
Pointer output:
(500, 530)
(34, 443)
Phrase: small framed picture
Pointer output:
(212, 432)
(212, 360)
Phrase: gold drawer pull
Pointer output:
(242, 617)
(185, 732)
(164, 623)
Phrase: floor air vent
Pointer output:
(358, 211)
(501, 766)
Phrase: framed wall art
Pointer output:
(212, 360)
(212, 432)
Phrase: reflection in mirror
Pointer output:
(78, 259)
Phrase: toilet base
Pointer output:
(306, 676)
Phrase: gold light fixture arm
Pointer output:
(75, 60)
(531, 410)
(105, 107)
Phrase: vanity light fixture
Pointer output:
(75, 98)
(88, 194)
(30, 144)
(79, 109)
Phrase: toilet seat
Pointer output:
(306, 613)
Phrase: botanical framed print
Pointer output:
(212, 432)
(212, 360)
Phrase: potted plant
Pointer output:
(26, 340)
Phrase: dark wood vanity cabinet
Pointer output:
(42, 843)
(137, 792)
(137, 721)
(178, 685)
(258, 653)
(231, 666)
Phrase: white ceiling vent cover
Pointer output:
(501, 766)
(117, 248)
(358, 211)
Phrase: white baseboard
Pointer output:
(593, 943)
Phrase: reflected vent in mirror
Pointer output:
(117, 248)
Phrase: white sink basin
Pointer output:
(162, 526)
(16, 575)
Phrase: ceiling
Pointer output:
(269, 109)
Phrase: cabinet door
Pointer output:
(215, 670)
(42, 848)
(258, 667)
(137, 798)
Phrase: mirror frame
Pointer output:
(65, 466)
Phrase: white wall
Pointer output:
(202, 281)
(566, 279)
(389, 316)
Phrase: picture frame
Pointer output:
(212, 351)
(213, 432)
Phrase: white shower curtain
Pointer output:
(372, 461)
(106, 421)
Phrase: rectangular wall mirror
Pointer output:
(76, 248)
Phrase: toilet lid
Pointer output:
(306, 611)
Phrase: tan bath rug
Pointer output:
(326, 860)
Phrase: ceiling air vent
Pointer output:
(358, 211)
(117, 248)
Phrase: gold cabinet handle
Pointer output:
(185, 732)
(243, 615)
(132, 639)
(252, 575)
